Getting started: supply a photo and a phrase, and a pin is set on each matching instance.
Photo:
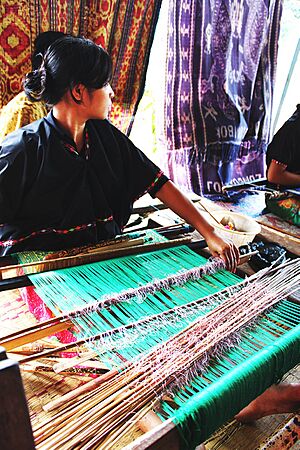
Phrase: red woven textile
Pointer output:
(124, 27)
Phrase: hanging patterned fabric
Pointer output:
(124, 27)
(219, 87)
(21, 22)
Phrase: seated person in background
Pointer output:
(20, 111)
(283, 154)
(283, 168)
(71, 178)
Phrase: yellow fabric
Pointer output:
(19, 112)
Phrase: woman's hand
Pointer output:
(171, 196)
(224, 249)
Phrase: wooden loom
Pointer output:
(210, 285)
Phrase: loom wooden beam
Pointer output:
(57, 262)
(165, 435)
(23, 281)
(18, 339)
(162, 437)
(15, 427)
(14, 283)
(243, 184)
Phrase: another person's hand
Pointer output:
(224, 249)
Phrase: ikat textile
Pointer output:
(124, 27)
(219, 86)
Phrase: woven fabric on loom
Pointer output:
(125, 28)
(149, 236)
(68, 289)
(35, 304)
(243, 365)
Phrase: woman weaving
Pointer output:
(71, 178)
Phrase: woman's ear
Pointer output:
(77, 93)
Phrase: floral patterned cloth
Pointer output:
(288, 209)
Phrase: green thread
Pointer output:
(232, 380)
(68, 289)
(235, 379)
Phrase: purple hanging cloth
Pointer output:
(221, 62)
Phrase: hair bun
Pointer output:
(35, 83)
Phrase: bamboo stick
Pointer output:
(42, 332)
(71, 362)
(89, 386)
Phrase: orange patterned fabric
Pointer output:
(124, 27)
(18, 112)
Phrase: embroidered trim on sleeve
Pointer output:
(279, 163)
(12, 242)
(158, 176)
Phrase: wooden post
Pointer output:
(15, 427)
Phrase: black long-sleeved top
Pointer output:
(285, 146)
(51, 197)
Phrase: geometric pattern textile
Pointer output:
(18, 112)
(124, 27)
(220, 71)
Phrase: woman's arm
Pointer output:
(278, 174)
(172, 197)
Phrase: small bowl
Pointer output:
(246, 227)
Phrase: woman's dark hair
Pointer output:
(41, 44)
(69, 61)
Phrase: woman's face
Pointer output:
(99, 102)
